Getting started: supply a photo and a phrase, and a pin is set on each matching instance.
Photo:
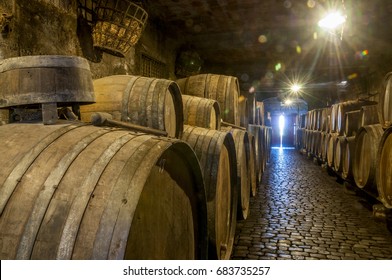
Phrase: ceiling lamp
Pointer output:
(332, 21)
(295, 88)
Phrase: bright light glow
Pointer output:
(262, 39)
(332, 20)
(278, 66)
(311, 3)
(343, 83)
(288, 102)
(281, 128)
(295, 88)
(281, 124)
(352, 76)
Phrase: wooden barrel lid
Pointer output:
(33, 80)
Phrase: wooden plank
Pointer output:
(50, 185)
(19, 170)
(86, 189)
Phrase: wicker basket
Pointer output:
(118, 25)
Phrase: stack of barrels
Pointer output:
(354, 138)
(384, 151)
(155, 169)
(238, 116)
(313, 131)
(196, 121)
(112, 190)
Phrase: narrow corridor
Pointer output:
(300, 212)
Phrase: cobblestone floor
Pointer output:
(300, 212)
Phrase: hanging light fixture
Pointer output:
(332, 21)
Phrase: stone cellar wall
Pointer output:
(52, 27)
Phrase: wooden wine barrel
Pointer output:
(264, 132)
(324, 146)
(385, 102)
(149, 102)
(76, 191)
(257, 132)
(224, 89)
(309, 125)
(261, 113)
(241, 140)
(383, 169)
(352, 122)
(308, 120)
(324, 119)
(29, 80)
(259, 116)
(311, 120)
(252, 165)
(201, 112)
(345, 107)
(317, 143)
(268, 139)
(331, 149)
(303, 138)
(348, 158)
(314, 119)
(303, 120)
(251, 97)
(329, 122)
(303, 141)
(339, 154)
(369, 115)
(308, 142)
(217, 155)
(298, 140)
(312, 141)
(318, 121)
(334, 118)
(243, 111)
(364, 166)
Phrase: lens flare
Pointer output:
(311, 3)
(352, 76)
(262, 39)
(295, 88)
(332, 21)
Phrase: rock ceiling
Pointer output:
(266, 43)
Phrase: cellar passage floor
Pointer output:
(301, 212)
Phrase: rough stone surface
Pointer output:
(51, 27)
(301, 213)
